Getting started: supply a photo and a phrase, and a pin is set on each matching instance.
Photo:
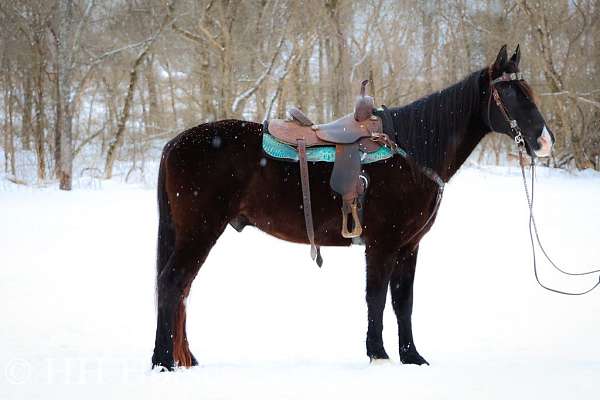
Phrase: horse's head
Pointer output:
(510, 106)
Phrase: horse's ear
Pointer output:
(516, 57)
(501, 59)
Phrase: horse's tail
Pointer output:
(166, 231)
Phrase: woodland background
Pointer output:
(95, 87)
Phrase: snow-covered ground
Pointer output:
(77, 302)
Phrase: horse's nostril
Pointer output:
(546, 136)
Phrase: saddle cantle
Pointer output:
(352, 135)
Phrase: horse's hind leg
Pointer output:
(173, 286)
(401, 286)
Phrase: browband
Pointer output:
(506, 77)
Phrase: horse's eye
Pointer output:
(510, 93)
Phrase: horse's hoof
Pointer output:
(412, 358)
(377, 353)
(163, 366)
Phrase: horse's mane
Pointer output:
(427, 128)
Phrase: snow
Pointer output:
(77, 300)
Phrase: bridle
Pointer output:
(520, 142)
(513, 124)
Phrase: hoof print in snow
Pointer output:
(380, 361)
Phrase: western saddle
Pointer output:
(352, 136)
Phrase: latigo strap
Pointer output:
(315, 251)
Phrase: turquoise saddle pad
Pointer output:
(276, 149)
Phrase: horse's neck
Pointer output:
(441, 130)
(462, 145)
(465, 140)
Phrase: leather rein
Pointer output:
(520, 143)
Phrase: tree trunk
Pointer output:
(64, 95)
(320, 84)
(26, 125)
(295, 86)
(282, 100)
(117, 141)
(429, 42)
(172, 94)
(38, 134)
(9, 139)
(340, 89)
(154, 111)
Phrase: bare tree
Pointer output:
(110, 81)
(117, 140)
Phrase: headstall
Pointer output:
(514, 126)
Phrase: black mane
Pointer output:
(427, 128)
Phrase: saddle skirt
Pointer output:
(280, 138)
(325, 153)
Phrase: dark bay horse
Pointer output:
(217, 173)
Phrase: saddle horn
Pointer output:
(363, 86)
(364, 104)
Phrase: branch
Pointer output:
(117, 141)
(576, 96)
(192, 36)
(292, 58)
(98, 59)
(23, 24)
(240, 100)
(366, 39)
(77, 35)
(554, 93)
(15, 180)
(585, 100)
(563, 92)
(88, 140)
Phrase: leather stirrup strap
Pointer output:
(315, 251)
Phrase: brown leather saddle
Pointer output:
(352, 136)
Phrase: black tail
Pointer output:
(166, 231)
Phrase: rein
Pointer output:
(533, 229)
(520, 142)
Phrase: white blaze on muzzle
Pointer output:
(545, 142)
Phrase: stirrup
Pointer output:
(351, 208)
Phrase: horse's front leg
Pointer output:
(401, 286)
(379, 270)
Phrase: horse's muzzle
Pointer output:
(545, 141)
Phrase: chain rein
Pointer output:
(520, 142)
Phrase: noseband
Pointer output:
(514, 126)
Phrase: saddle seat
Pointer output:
(343, 131)
(351, 134)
